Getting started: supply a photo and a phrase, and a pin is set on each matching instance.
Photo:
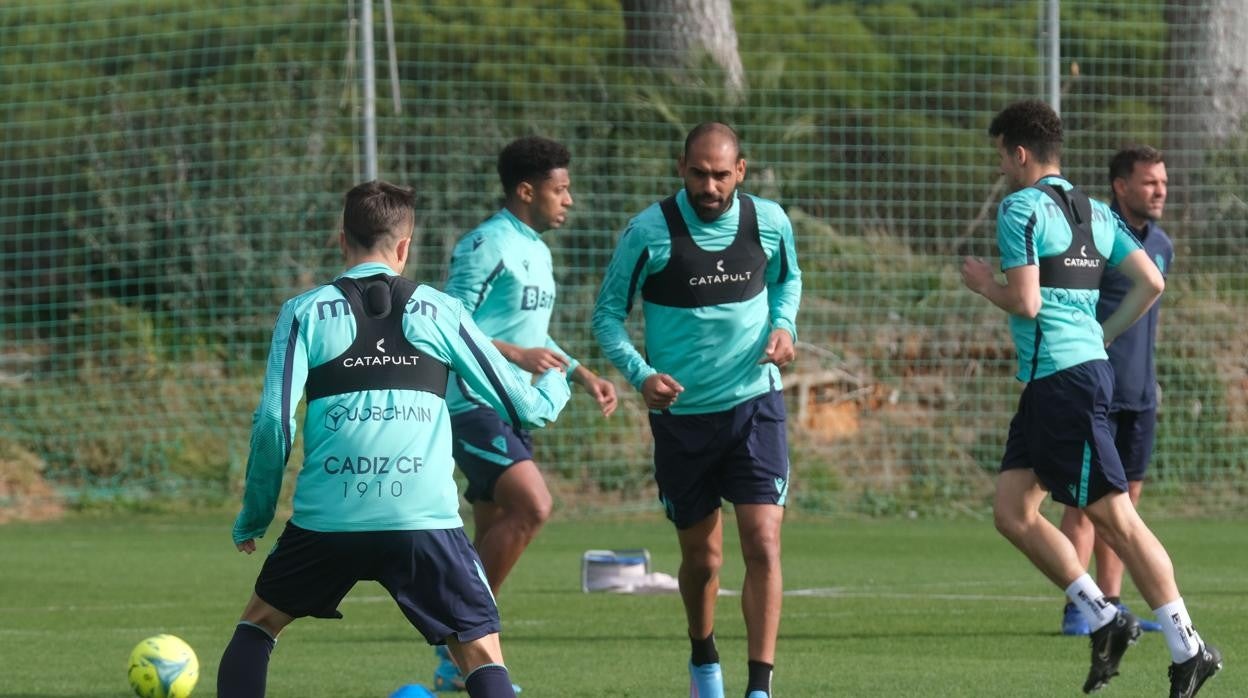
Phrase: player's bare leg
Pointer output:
(1078, 528)
(260, 614)
(521, 506)
(486, 650)
(701, 556)
(485, 674)
(1016, 510)
(1122, 529)
(1109, 567)
(1016, 513)
(763, 590)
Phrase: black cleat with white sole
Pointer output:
(1109, 643)
(1187, 678)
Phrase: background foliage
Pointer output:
(170, 171)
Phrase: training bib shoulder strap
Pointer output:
(1082, 264)
(381, 357)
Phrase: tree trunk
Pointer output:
(675, 34)
(1207, 54)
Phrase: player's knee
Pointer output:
(1009, 522)
(1118, 534)
(761, 556)
(531, 511)
(762, 548)
(703, 561)
(526, 508)
(536, 512)
(260, 614)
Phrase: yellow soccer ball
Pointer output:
(163, 666)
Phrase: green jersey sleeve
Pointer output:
(784, 276)
(1016, 221)
(273, 426)
(624, 277)
(475, 264)
(1125, 242)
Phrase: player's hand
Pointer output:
(248, 546)
(779, 349)
(603, 393)
(976, 274)
(660, 391)
(540, 359)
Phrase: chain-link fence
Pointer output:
(171, 170)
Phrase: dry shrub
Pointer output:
(24, 494)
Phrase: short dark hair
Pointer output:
(1032, 124)
(528, 159)
(712, 127)
(375, 211)
(1123, 162)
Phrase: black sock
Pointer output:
(1115, 600)
(245, 663)
(489, 681)
(760, 677)
(703, 651)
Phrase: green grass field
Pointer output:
(879, 607)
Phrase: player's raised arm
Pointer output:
(272, 428)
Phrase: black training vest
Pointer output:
(694, 278)
(380, 358)
(1081, 265)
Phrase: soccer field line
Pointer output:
(813, 593)
(818, 592)
(842, 593)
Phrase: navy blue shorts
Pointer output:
(1061, 431)
(1134, 433)
(435, 577)
(484, 446)
(741, 455)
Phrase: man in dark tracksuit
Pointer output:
(1138, 178)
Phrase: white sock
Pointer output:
(1176, 626)
(1090, 600)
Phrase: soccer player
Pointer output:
(375, 499)
(1055, 243)
(720, 287)
(1138, 178)
(501, 271)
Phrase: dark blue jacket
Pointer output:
(1131, 354)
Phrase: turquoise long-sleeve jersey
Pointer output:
(713, 351)
(1031, 227)
(377, 459)
(502, 272)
